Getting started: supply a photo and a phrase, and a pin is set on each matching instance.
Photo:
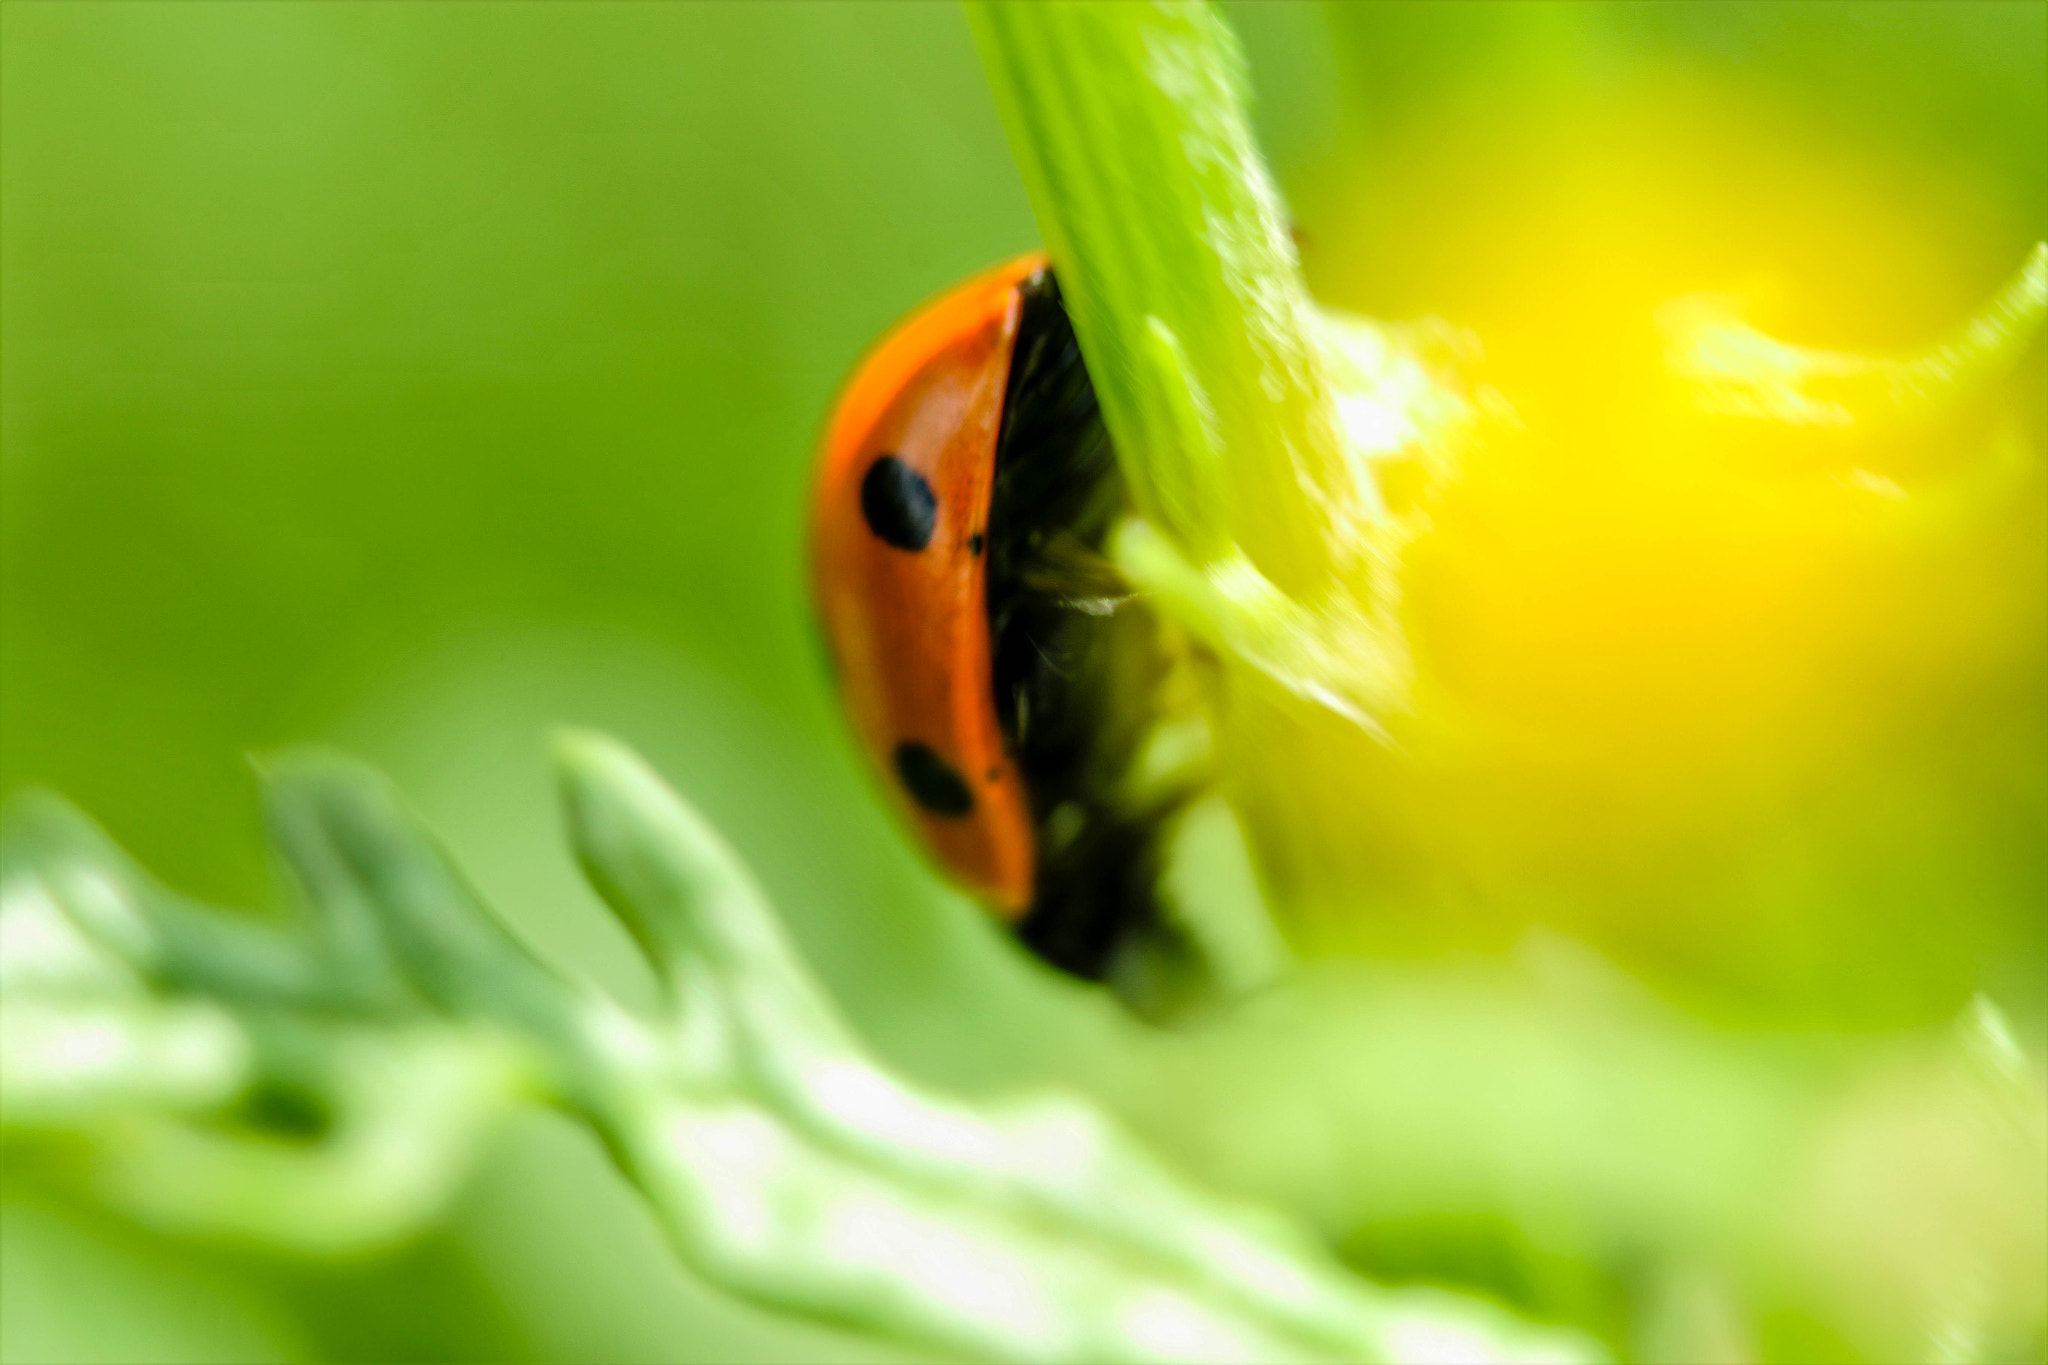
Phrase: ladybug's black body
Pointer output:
(1075, 655)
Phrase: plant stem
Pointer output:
(1129, 126)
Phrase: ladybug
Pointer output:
(995, 668)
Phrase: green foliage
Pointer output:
(416, 378)
(327, 1087)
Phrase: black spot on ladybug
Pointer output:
(995, 774)
(974, 543)
(899, 505)
(930, 782)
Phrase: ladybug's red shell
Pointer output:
(899, 533)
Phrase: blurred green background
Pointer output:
(414, 378)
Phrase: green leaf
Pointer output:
(670, 878)
(164, 937)
(790, 1165)
(351, 844)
